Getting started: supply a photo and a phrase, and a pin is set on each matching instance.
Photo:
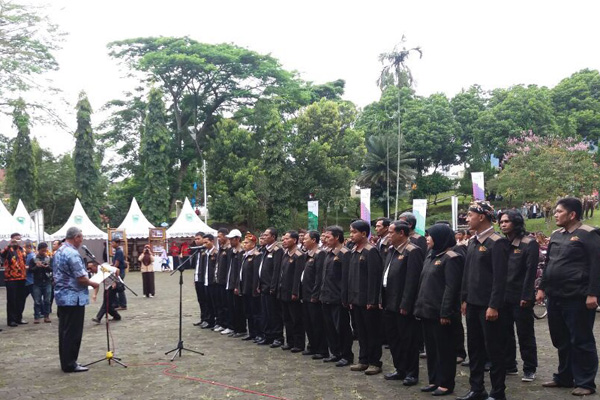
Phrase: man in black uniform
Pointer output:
(292, 266)
(248, 287)
(522, 268)
(334, 298)
(382, 241)
(571, 280)
(364, 296)
(209, 262)
(402, 270)
(312, 278)
(415, 238)
(483, 291)
(270, 305)
(199, 276)
(222, 312)
(234, 302)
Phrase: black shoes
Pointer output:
(295, 350)
(286, 347)
(343, 363)
(393, 376)
(440, 392)
(264, 342)
(275, 344)
(331, 359)
(12, 324)
(308, 353)
(429, 388)
(320, 356)
(198, 323)
(474, 396)
(80, 368)
(410, 381)
(247, 338)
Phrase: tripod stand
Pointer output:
(109, 354)
(179, 349)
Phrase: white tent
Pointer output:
(188, 223)
(8, 225)
(80, 219)
(135, 224)
(27, 230)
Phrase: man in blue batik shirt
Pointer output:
(71, 295)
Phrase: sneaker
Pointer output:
(359, 367)
(373, 370)
(528, 377)
(151, 295)
(218, 328)
(226, 331)
(512, 371)
(96, 320)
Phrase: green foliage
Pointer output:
(155, 162)
(22, 171)
(56, 188)
(5, 149)
(87, 174)
(431, 185)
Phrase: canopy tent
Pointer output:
(8, 225)
(27, 230)
(188, 223)
(80, 219)
(135, 224)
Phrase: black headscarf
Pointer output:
(443, 238)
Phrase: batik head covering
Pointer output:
(483, 207)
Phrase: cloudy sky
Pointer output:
(494, 44)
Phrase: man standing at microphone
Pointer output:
(71, 294)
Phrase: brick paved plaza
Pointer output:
(30, 369)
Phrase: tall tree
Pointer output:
(154, 155)
(87, 173)
(22, 171)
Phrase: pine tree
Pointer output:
(87, 173)
(21, 180)
(154, 156)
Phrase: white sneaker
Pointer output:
(218, 328)
(528, 377)
(151, 295)
(226, 331)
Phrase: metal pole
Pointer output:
(205, 203)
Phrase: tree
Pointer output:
(431, 185)
(154, 155)
(201, 81)
(87, 174)
(540, 168)
(467, 107)
(22, 171)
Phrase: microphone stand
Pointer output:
(109, 354)
(179, 349)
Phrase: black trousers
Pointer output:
(220, 306)
(252, 314)
(206, 314)
(571, 330)
(16, 293)
(368, 324)
(109, 297)
(522, 317)
(148, 283)
(487, 336)
(271, 317)
(315, 331)
(210, 295)
(336, 320)
(70, 332)
(441, 358)
(458, 331)
(294, 325)
(401, 333)
(236, 312)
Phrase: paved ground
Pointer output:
(30, 369)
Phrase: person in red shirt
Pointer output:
(174, 250)
(15, 270)
(185, 249)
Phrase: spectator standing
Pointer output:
(146, 260)
(119, 262)
(14, 277)
(41, 289)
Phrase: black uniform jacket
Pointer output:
(249, 273)
(403, 269)
(211, 264)
(383, 244)
(292, 266)
(313, 275)
(420, 242)
(233, 271)
(522, 267)
(439, 289)
(334, 284)
(271, 262)
(573, 268)
(222, 265)
(364, 276)
(486, 264)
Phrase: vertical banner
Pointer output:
(365, 205)
(454, 200)
(420, 211)
(478, 185)
(313, 215)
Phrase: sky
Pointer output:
(493, 44)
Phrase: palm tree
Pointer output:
(377, 166)
(396, 72)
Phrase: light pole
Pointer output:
(336, 203)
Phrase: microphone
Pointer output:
(197, 247)
(87, 251)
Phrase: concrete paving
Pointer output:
(230, 368)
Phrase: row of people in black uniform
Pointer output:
(404, 287)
